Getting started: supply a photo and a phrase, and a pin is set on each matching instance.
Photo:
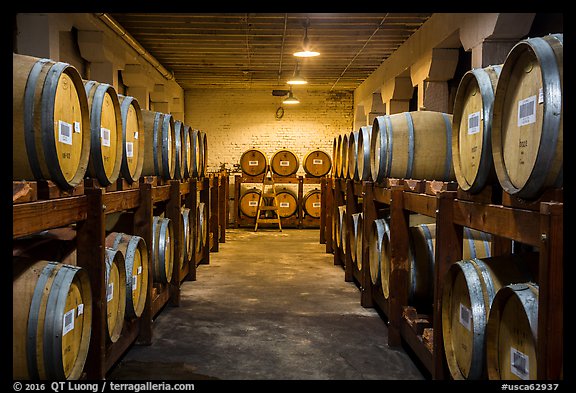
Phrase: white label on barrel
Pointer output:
(316, 204)
(541, 96)
(253, 163)
(527, 111)
(77, 126)
(519, 364)
(252, 203)
(110, 292)
(316, 162)
(68, 322)
(465, 316)
(80, 309)
(64, 132)
(135, 134)
(105, 135)
(473, 123)
(134, 283)
(129, 149)
(139, 269)
(284, 204)
(284, 163)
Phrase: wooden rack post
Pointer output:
(214, 213)
(223, 195)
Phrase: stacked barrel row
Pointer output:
(506, 129)
(66, 128)
(284, 163)
(505, 132)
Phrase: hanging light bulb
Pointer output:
(297, 79)
(306, 52)
(291, 100)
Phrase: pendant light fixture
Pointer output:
(306, 48)
(296, 78)
(291, 100)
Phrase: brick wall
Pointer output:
(236, 120)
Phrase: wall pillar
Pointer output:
(396, 93)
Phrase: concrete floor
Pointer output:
(270, 306)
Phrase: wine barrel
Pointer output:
(180, 151)
(115, 292)
(363, 154)
(311, 203)
(284, 163)
(334, 154)
(195, 159)
(162, 249)
(412, 145)
(344, 156)
(527, 125)
(379, 230)
(472, 129)
(106, 139)
(188, 229)
(203, 154)
(512, 332)
(249, 202)
(352, 155)
(50, 122)
(160, 145)
(51, 320)
(469, 288)
(135, 253)
(421, 259)
(317, 163)
(338, 158)
(356, 238)
(187, 151)
(253, 162)
(340, 226)
(477, 244)
(133, 138)
(287, 202)
(202, 220)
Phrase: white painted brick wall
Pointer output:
(236, 120)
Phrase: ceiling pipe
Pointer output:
(122, 33)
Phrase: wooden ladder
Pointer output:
(268, 181)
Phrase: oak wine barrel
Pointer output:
(195, 159)
(341, 226)
(160, 145)
(312, 203)
(188, 229)
(181, 147)
(469, 288)
(412, 145)
(356, 238)
(203, 222)
(379, 230)
(338, 158)
(287, 202)
(334, 154)
(527, 125)
(106, 146)
(317, 163)
(472, 129)
(187, 151)
(253, 162)
(162, 249)
(363, 154)
(352, 156)
(284, 163)
(50, 122)
(51, 321)
(115, 292)
(203, 154)
(136, 262)
(133, 138)
(512, 332)
(249, 202)
(344, 156)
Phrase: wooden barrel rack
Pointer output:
(87, 208)
(537, 223)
